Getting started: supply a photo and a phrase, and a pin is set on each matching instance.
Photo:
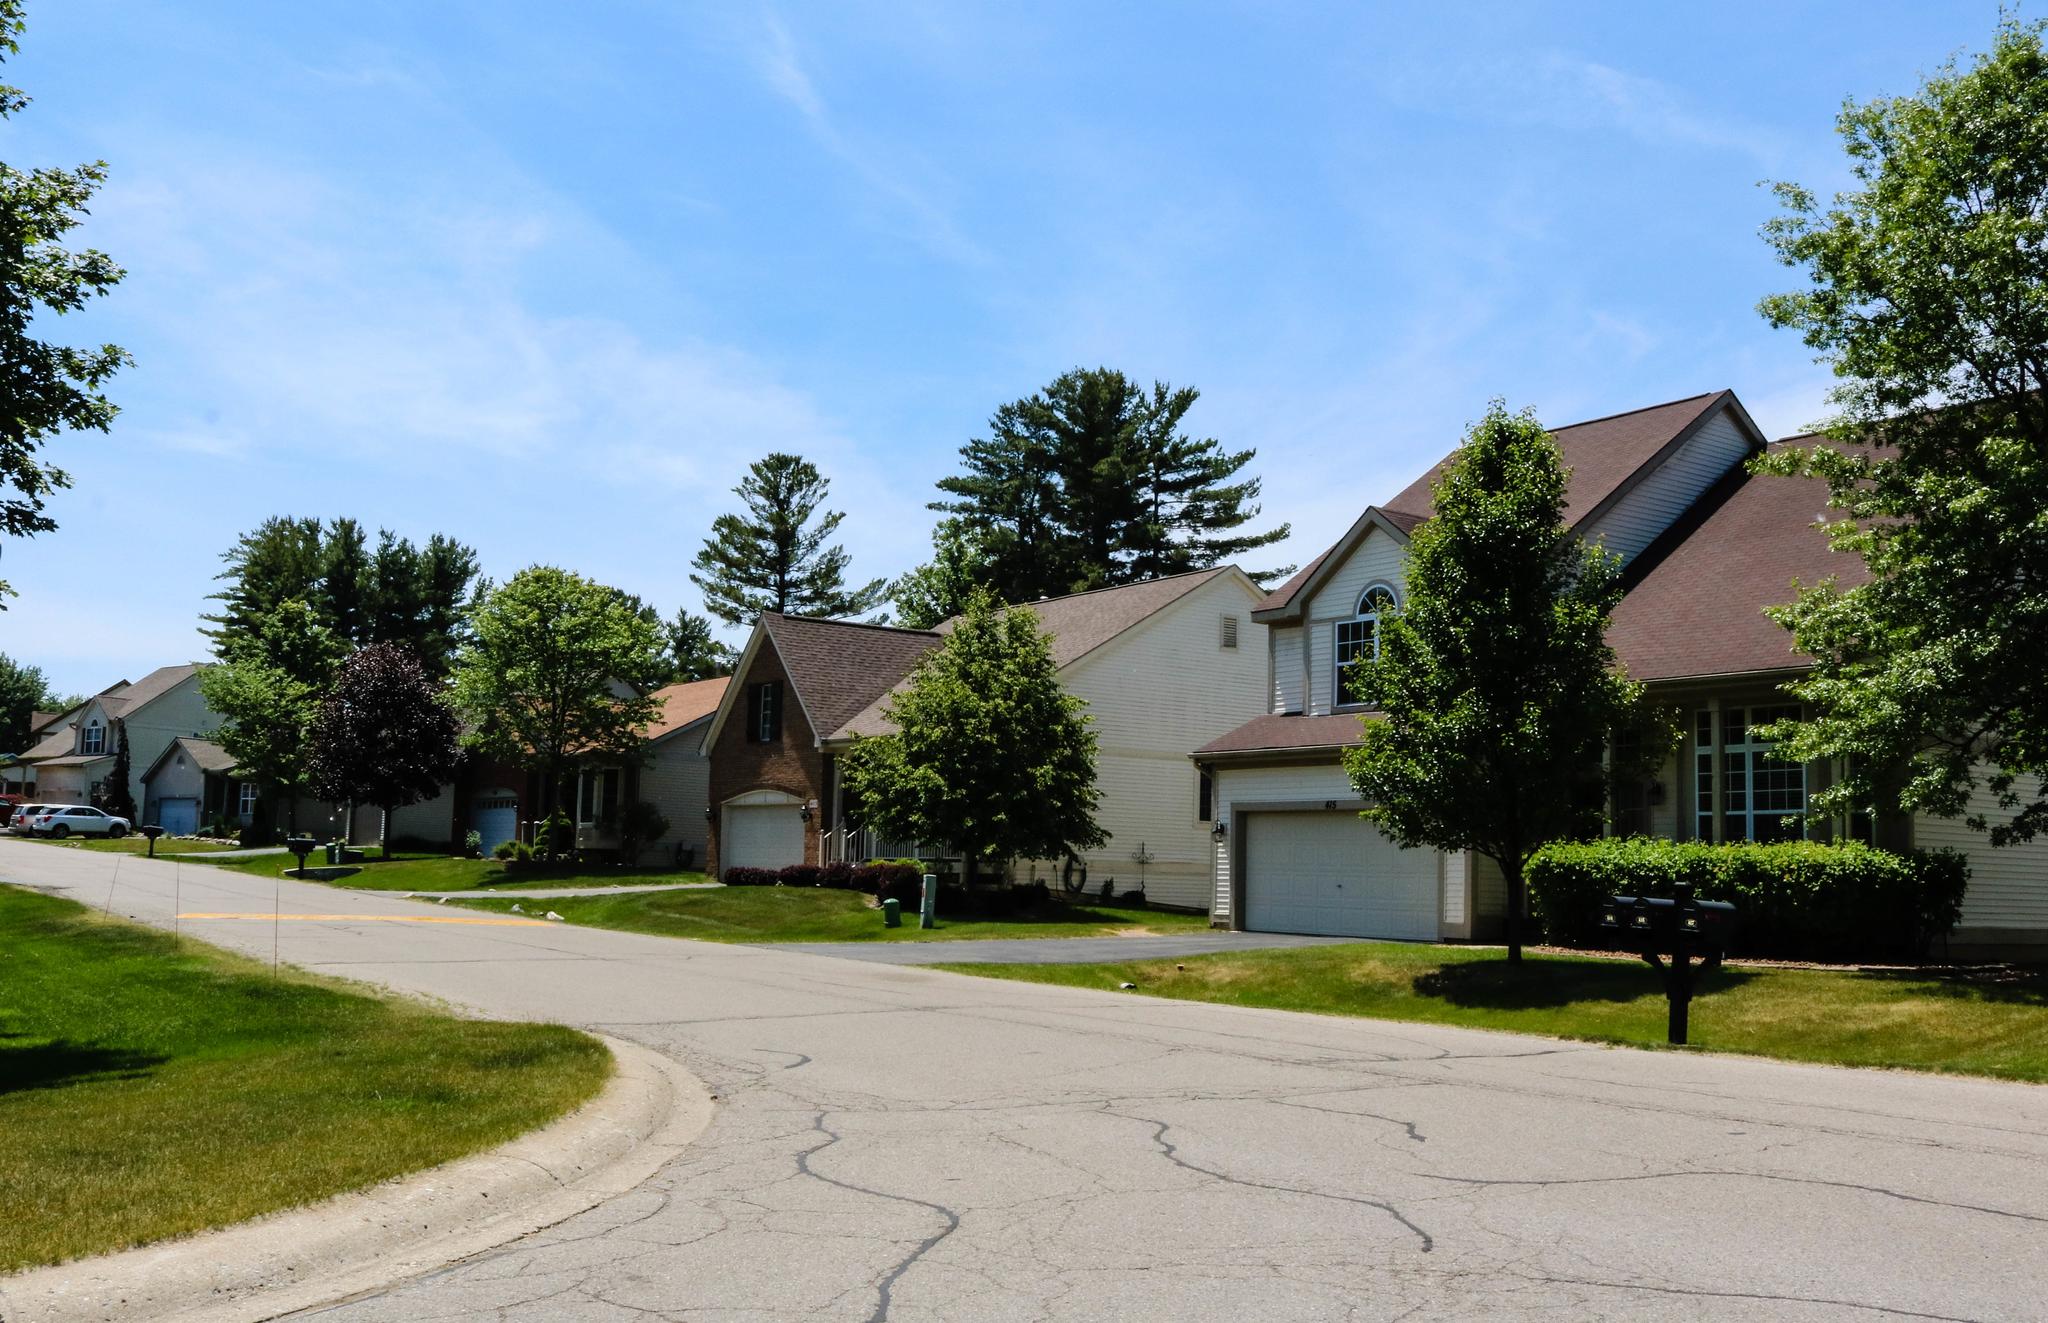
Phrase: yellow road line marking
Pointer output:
(375, 918)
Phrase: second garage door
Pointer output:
(762, 836)
(1336, 875)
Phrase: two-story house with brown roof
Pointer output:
(1163, 666)
(1706, 547)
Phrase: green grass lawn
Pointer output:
(1973, 1024)
(133, 845)
(152, 1086)
(808, 914)
(426, 872)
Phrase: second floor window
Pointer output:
(764, 712)
(95, 739)
(1359, 637)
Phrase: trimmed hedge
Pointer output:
(1798, 900)
(871, 878)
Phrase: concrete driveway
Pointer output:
(1052, 950)
(904, 1144)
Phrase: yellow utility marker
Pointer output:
(376, 918)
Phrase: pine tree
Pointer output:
(774, 557)
(694, 653)
(1091, 483)
(346, 586)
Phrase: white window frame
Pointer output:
(245, 800)
(1739, 763)
(590, 797)
(94, 740)
(1354, 635)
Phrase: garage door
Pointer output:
(1334, 874)
(179, 817)
(495, 818)
(762, 836)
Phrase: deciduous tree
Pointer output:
(45, 388)
(778, 555)
(555, 672)
(991, 758)
(267, 690)
(1492, 693)
(1927, 294)
(24, 691)
(385, 734)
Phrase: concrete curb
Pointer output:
(357, 1242)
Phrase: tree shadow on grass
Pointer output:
(61, 1062)
(1548, 984)
(2020, 985)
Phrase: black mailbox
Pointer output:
(301, 846)
(150, 833)
(1678, 930)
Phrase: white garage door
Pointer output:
(762, 836)
(494, 817)
(1334, 874)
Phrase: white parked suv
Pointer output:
(19, 824)
(58, 821)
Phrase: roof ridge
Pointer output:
(1119, 587)
(1630, 413)
(849, 624)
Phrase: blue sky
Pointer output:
(546, 277)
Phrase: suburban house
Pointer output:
(1163, 665)
(503, 803)
(74, 760)
(1706, 547)
(192, 784)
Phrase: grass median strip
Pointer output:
(445, 873)
(152, 1086)
(1985, 1022)
(817, 914)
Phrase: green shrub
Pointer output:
(1801, 900)
(473, 844)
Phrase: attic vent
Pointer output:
(1230, 631)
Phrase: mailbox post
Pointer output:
(1669, 934)
(150, 833)
(300, 846)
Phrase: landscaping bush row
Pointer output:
(871, 878)
(1797, 900)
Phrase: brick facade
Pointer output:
(740, 762)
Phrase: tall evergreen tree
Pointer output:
(116, 798)
(345, 580)
(45, 388)
(280, 560)
(774, 557)
(1495, 690)
(1928, 295)
(1092, 482)
(694, 653)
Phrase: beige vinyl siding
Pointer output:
(1379, 558)
(1659, 499)
(1489, 895)
(1301, 784)
(178, 711)
(1287, 664)
(677, 780)
(429, 820)
(1159, 691)
(2008, 886)
(1664, 816)
(1456, 914)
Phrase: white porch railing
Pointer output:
(855, 846)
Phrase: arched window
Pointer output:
(1360, 637)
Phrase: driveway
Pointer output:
(1050, 950)
(906, 1144)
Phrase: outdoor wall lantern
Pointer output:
(1218, 832)
(1653, 793)
(809, 810)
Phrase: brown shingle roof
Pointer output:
(684, 703)
(1602, 454)
(839, 667)
(1696, 607)
(205, 754)
(1286, 731)
(1079, 624)
(149, 688)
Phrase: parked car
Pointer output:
(24, 816)
(58, 821)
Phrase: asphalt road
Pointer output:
(903, 1144)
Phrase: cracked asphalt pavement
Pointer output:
(901, 1144)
